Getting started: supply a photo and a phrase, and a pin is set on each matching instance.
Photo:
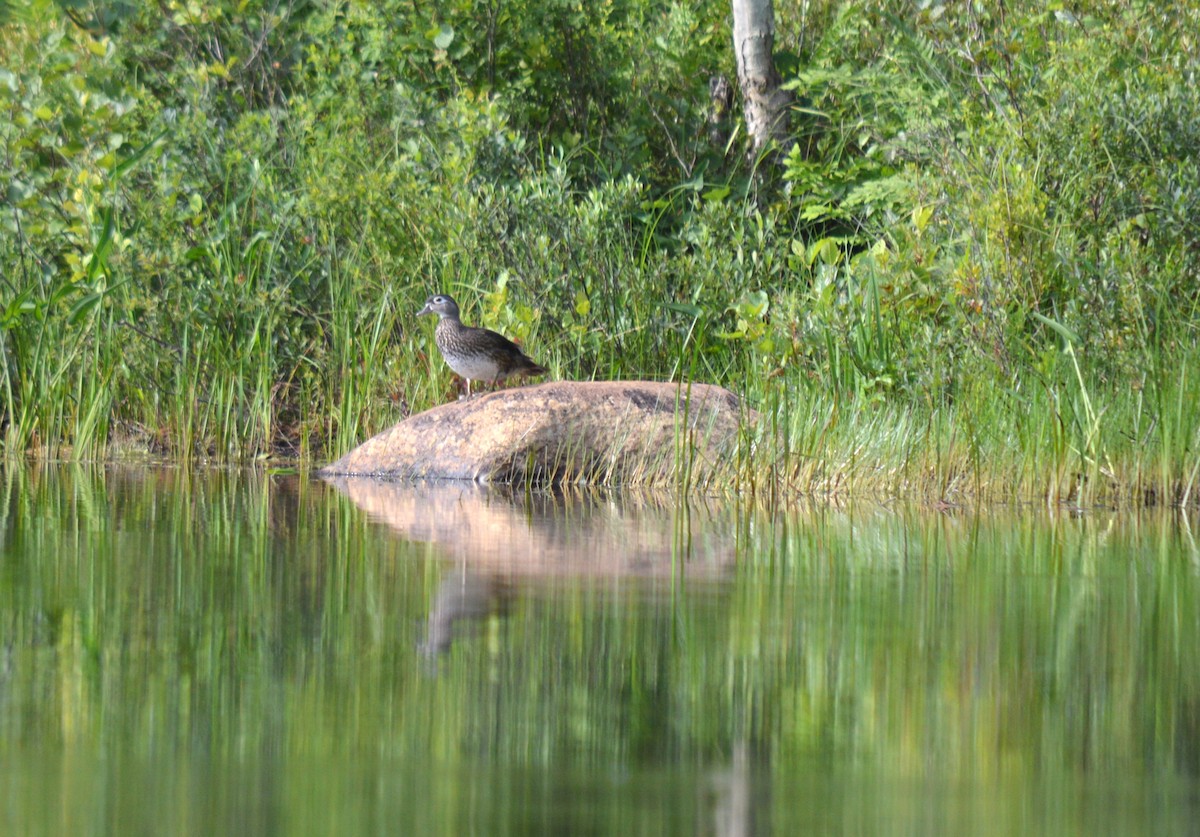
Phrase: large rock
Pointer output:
(601, 432)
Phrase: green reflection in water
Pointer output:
(228, 651)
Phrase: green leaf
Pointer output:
(81, 308)
(693, 311)
(442, 37)
(1060, 329)
(19, 191)
(880, 191)
(826, 249)
(816, 211)
(136, 157)
(14, 311)
(60, 293)
(751, 305)
(253, 244)
(103, 246)
(921, 216)
(716, 194)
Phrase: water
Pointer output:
(229, 652)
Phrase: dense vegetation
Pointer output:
(974, 271)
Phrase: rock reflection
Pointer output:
(497, 539)
(529, 535)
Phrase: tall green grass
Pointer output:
(948, 288)
(1075, 443)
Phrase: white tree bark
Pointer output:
(766, 105)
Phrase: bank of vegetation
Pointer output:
(973, 272)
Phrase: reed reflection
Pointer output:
(195, 651)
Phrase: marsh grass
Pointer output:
(1070, 440)
(1073, 445)
(940, 292)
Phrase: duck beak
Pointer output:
(425, 310)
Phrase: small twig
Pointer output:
(151, 337)
(687, 167)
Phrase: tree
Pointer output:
(766, 103)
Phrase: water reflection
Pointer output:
(549, 534)
(462, 598)
(216, 651)
(498, 539)
(499, 542)
(734, 806)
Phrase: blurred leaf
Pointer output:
(693, 311)
(825, 249)
(1058, 328)
(716, 194)
(442, 37)
(18, 191)
(16, 309)
(752, 305)
(103, 246)
(81, 308)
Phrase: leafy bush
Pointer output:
(219, 220)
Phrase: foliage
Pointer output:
(219, 218)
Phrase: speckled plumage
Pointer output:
(476, 354)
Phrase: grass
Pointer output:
(1032, 444)
(947, 295)
(1065, 438)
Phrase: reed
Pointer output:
(206, 276)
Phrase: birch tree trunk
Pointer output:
(766, 105)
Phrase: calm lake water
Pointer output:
(230, 652)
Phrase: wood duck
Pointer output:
(476, 354)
